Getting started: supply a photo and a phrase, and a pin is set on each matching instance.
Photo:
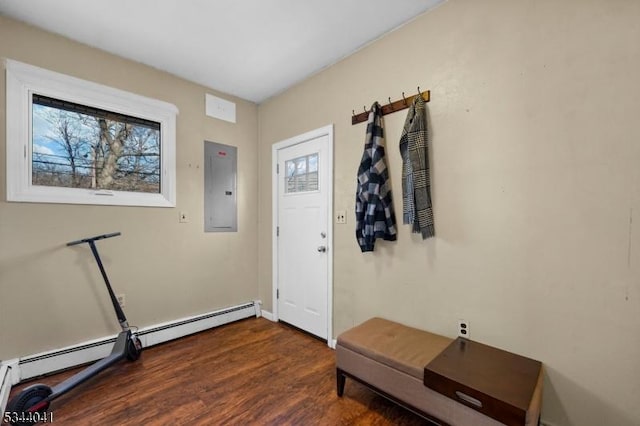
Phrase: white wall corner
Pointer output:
(268, 315)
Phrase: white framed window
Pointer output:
(301, 174)
(74, 141)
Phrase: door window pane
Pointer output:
(301, 165)
(301, 174)
(313, 163)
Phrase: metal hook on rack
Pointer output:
(391, 107)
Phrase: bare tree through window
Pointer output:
(77, 146)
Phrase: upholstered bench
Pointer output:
(392, 359)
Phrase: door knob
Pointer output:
(322, 249)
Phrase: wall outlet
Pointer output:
(183, 217)
(463, 328)
(120, 298)
(341, 216)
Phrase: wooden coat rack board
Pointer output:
(391, 107)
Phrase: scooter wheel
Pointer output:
(134, 348)
(18, 407)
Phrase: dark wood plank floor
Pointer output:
(251, 372)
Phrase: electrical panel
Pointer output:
(220, 186)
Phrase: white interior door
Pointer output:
(303, 235)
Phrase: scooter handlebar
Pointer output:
(98, 237)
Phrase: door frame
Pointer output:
(300, 139)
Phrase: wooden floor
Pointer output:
(252, 372)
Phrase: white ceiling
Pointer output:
(253, 49)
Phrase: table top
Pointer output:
(496, 380)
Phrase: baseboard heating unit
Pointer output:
(52, 361)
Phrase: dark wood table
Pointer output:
(497, 383)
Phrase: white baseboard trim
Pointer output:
(268, 315)
(71, 356)
(333, 344)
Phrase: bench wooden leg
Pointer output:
(340, 380)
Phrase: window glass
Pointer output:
(75, 146)
(301, 165)
(291, 168)
(301, 174)
(313, 163)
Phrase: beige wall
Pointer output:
(536, 161)
(535, 187)
(52, 296)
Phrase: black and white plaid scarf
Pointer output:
(375, 217)
(416, 184)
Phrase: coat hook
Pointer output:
(389, 100)
(365, 108)
(353, 112)
(419, 90)
(404, 99)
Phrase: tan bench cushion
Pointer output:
(404, 348)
